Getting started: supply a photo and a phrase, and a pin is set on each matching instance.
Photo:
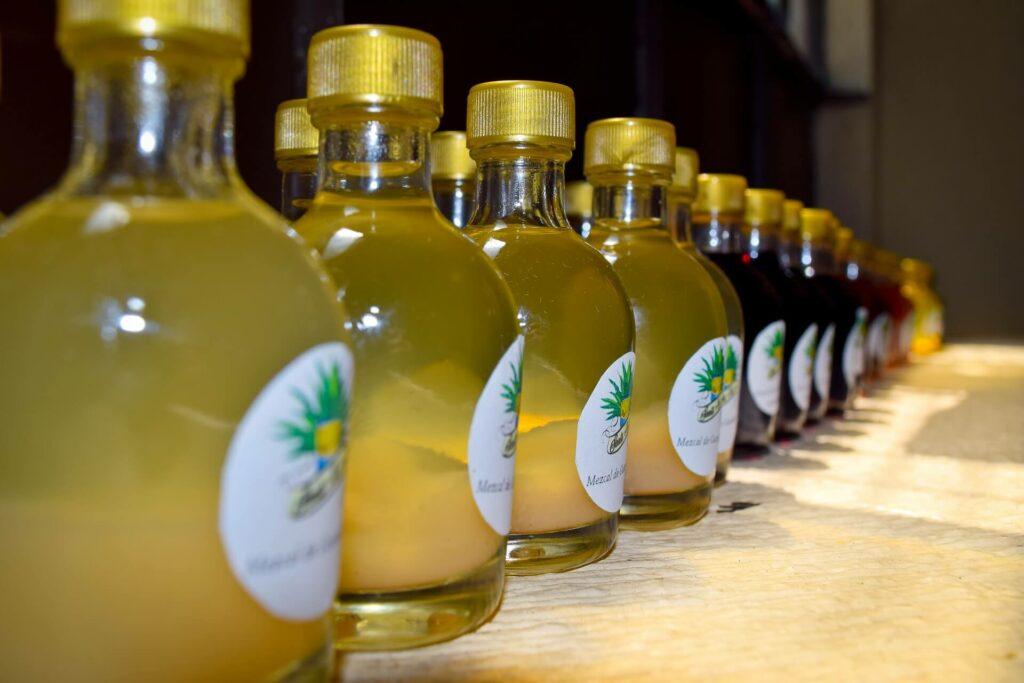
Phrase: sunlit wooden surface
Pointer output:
(886, 546)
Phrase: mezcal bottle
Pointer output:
(452, 175)
(859, 259)
(578, 370)
(295, 151)
(434, 330)
(681, 349)
(681, 195)
(917, 287)
(719, 232)
(182, 524)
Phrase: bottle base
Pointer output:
(667, 510)
(422, 616)
(560, 551)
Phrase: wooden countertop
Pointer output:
(889, 545)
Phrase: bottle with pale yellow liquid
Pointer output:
(296, 143)
(431, 453)
(579, 206)
(452, 176)
(681, 194)
(928, 310)
(675, 416)
(182, 522)
(578, 369)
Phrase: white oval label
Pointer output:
(602, 432)
(764, 367)
(801, 367)
(854, 349)
(492, 439)
(823, 363)
(730, 399)
(281, 486)
(695, 407)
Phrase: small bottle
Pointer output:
(764, 213)
(433, 440)
(453, 175)
(195, 359)
(296, 143)
(797, 248)
(681, 194)
(675, 418)
(579, 366)
(849, 363)
(928, 309)
(579, 206)
(858, 259)
(719, 232)
(901, 310)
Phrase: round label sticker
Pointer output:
(801, 367)
(878, 338)
(764, 367)
(823, 362)
(854, 349)
(731, 392)
(281, 486)
(601, 435)
(492, 439)
(695, 407)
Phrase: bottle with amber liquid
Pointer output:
(182, 523)
(433, 440)
(918, 277)
(675, 419)
(719, 232)
(681, 195)
(296, 143)
(452, 175)
(579, 366)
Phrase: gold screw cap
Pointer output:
(449, 156)
(764, 206)
(720, 192)
(817, 225)
(294, 134)
(684, 179)
(630, 144)
(791, 209)
(222, 25)
(534, 112)
(370, 64)
(917, 270)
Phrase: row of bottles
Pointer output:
(277, 439)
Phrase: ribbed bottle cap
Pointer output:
(817, 225)
(684, 179)
(449, 156)
(630, 144)
(294, 134)
(720, 192)
(791, 216)
(579, 198)
(521, 111)
(764, 206)
(222, 25)
(369, 64)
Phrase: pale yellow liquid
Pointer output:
(577, 322)
(432, 319)
(677, 309)
(112, 442)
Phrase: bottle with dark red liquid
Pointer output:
(719, 232)
(853, 265)
(886, 269)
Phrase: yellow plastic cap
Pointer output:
(370, 64)
(817, 225)
(684, 179)
(449, 156)
(630, 144)
(579, 198)
(534, 112)
(791, 209)
(917, 270)
(720, 192)
(219, 25)
(764, 206)
(294, 134)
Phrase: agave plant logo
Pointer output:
(616, 407)
(774, 351)
(711, 384)
(510, 392)
(317, 434)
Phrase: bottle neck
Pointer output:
(803, 255)
(454, 199)
(680, 212)
(629, 201)
(153, 124)
(718, 233)
(373, 151)
(299, 181)
(522, 185)
(762, 239)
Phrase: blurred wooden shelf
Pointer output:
(886, 546)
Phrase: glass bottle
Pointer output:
(452, 175)
(855, 265)
(192, 352)
(578, 369)
(295, 149)
(901, 310)
(928, 310)
(681, 194)
(675, 416)
(432, 447)
(848, 361)
(719, 232)
(579, 206)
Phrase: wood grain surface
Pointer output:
(885, 546)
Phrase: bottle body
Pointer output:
(298, 185)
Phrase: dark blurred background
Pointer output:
(902, 116)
